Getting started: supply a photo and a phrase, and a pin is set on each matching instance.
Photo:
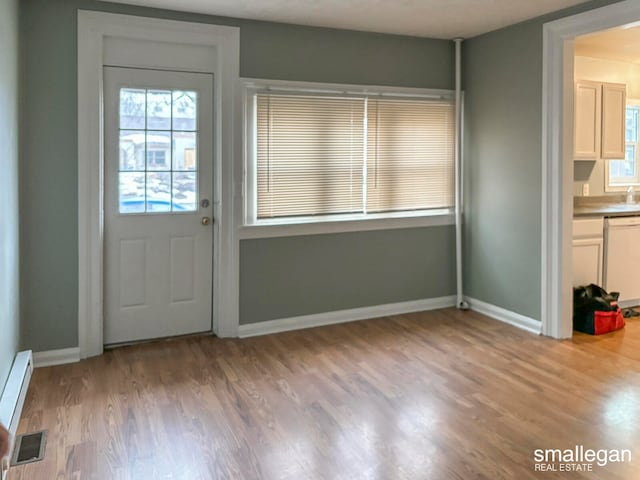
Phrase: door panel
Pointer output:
(158, 169)
(133, 258)
(183, 270)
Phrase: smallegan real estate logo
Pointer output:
(577, 459)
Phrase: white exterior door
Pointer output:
(157, 203)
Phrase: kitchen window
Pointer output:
(323, 156)
(625, 173)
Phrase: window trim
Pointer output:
(435, 218)
(623, 187)
(251, 227)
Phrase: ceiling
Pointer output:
(622, 44)
(425, 18)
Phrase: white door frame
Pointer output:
(557, 156)
(93, 30)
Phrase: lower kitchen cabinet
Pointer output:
(588, 251)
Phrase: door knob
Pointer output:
(205, 221)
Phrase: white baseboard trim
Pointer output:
(50, 358)
(342, 316)
(629, 303)
(506, 316)
(12, 400)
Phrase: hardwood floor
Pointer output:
(436, 395)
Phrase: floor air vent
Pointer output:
(29, 448)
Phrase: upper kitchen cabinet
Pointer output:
(599, 120)
(588, 113)
(614, 98)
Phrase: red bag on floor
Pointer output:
(598, 322)
(595, 311)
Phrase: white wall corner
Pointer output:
(62, 356)
(506, 316)
(343, 316)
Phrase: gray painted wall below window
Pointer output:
(9, 225)
(268, 50)
(351, 269)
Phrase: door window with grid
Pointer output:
(158, 168)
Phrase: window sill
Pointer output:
(313, 226)
(620, 187)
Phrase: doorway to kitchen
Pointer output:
(559, 53)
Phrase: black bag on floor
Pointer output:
(595, 311)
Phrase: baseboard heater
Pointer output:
(13, 396)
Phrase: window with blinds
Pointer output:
(409, 155)
(318, 155)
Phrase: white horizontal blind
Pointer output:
(410, 150)
(310, 154)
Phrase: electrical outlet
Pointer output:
(585, 189)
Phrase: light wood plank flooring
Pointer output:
(436, 395)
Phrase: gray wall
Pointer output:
(591, 172)
(503, 93)
(9, 279)
(349, 270)
(278, 51)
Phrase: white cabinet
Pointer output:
(614, 104)
(588, 111)
(599, 120)
(587, 251)
(587, 261)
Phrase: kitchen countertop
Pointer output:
(604, 207)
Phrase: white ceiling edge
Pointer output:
(444, 19)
